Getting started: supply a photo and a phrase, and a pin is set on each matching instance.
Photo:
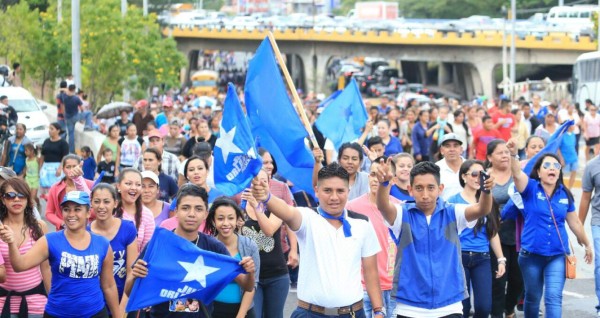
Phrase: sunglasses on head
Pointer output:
(547, 165)
(13, 195)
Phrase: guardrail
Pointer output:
(551, 41)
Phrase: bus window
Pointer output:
(573, 14)
(584, 14)
(562, 14)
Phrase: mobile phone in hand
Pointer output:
(483, 176)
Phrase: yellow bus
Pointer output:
(204, 83)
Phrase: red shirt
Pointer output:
(505, 128)
(481, 139)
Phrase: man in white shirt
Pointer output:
(334, 244)
(451, 149)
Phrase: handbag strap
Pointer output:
(562, 244)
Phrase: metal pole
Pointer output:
(561, 3)
(598, 31)
(59, 10)
(504, 53)
(145, 5)
(513, 49)
(123, 7)
(75, 42)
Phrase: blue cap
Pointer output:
(79, 197)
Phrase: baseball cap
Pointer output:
(150, 175)
(154, 133)
(7, 173)
(79, 197)
(450, 136)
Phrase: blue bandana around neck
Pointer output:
(342, 218)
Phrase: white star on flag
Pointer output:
(225, 142)
(197, 271)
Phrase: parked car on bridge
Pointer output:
(29, 111)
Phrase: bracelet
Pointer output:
(502, 260)
(385, 183)
(267, 200)
(375, 313)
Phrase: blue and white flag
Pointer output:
(235, 156)
(178, 269)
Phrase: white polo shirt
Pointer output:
(330, 266)
(449, 179)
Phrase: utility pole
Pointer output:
(513, 49)
(59, 10)
(75, 42)
(561, 3)
(598, 31)
(123, 7)
(504, 53)
(145, 5)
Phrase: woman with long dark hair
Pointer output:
(131, 208)
(548, 205)
(54, 149)
(14, 149)
(16, 212)
(475, 244)
(420, 140)
(460, 128)
(221, 222)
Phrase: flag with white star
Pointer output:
(236, 159)
(179, 269)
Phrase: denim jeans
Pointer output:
(506, 290)
(389, 304)
(596, 237)
(478, 273)
(542, 274)
(86, 116)
(303, 313)
(63, 126)
(71, 121)
(270, 296)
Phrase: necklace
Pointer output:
(197, 238)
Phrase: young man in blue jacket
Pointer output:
(428, 274)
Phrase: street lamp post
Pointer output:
(513, 51)
(75, 42)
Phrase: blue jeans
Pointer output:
(63, 126)
(596, 237)
(71, 132)
(389, 304)
(86, 116)
(478, 273)
(303, 313)
(270, 296)
(542, 274)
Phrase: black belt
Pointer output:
(476, 253)
(23, 309)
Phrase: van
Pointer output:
(573, 16)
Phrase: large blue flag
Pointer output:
(330, 99)
(552, 145)
(345, 117)
(235, 157)
(179, 270)
(274, 120)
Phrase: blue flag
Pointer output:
(274, 120)
(235, 157)
(345, 117)
(552, 145)
(330, 99)
(178, 269)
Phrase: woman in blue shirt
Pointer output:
(475, 244)
(81, 263)
(421, 142)
(403, 163)
(121, 233)
(392, 144)
(548, 204)
(14, 149)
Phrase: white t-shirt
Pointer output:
(330, 266)
(412, 311)
(449, 179)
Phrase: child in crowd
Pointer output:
(108, 166)
(32, 175)
(89, 163)
(570, 161)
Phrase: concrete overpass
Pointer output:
(467, 60)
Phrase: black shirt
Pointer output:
(272, 260)
(123, 126)
(54, 151)
(163, 310)
(72, 104)
(190, 143)
(109, 174)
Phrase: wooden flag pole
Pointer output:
(290, 83)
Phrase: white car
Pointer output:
(29, 111)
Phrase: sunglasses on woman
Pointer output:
(13, 195)
(474, 174)
(547, 165)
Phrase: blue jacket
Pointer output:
(428, 272)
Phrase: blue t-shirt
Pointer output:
(567, 148)
(393, 147)
(125, 236)
(400, 194)
(539, 232)
(469, 240)
(168, 187)
(161, 119)
(231, 294)
(76, 290)
(16, 154)
(89, 168)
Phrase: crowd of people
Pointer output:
(427, 214)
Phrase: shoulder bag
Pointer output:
(570, 260)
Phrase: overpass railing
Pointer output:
(549, 41)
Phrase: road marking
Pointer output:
(575, 295)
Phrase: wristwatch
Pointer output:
(516, 156)
(379, 311)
